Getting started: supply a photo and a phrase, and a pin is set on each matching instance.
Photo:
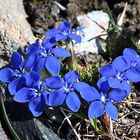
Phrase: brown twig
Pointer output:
(69, 122)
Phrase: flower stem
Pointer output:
(72, 62)
(94, 125)
(15, 136)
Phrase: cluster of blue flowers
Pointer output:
(26, 85)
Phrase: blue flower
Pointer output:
(133, 60)
(123, 68)
(116, 73)
(14, 74)
(64, 32)
(40, 56)
(103, 100)
(33, 92)
(64, 89)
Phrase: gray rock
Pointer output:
(26, 126)
(3, 136)
(15, 31)
(46, 133)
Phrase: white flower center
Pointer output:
(103, 99)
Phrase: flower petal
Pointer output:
(79, 28)
(125, 86)
(80, 86)
(96, 109)
(15, 85)
(16, 60)
(31, 79)
(61, 36)
(73, 102)
(75, 37)
(130, 54)
(6, 75)
(12, 86)
(33, 49)
(46, 95)
(61, 52)
(24, 95)
(103, 85)
(133, 75)
(111, 110)
(39, 65)
(48, 43)
(107, 70)
(89, 94)
(120, 64)
(30, 61)
(52, 32)
(64, 26)
(117, 95)
(37, 105)
(57, 97)
(52, 65)
(54, 82)
(114, 82)
(137, 66)
(71, 76)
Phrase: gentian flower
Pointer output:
(64, 89)
(116, 73)
(14, 74)
(133, 60)
(64, 32)
(34, 92)
(131, 57)
(103, 100)
(45, 56)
